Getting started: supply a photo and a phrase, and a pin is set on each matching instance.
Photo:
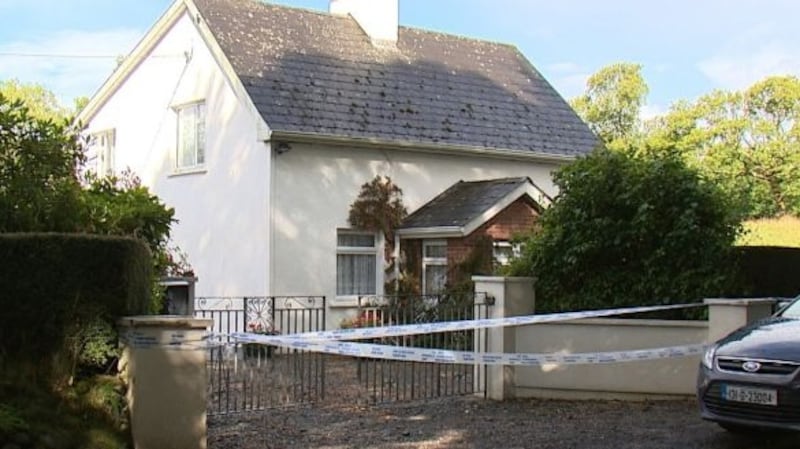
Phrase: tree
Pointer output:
(612, 103)
(39, 188)
(748, 142)
(42, 104)
(629, 231)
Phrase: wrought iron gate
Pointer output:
(250, 377)
(392, 380)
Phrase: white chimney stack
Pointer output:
(378, 18)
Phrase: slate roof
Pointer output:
(316, 73)
(462, 202)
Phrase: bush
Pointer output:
(61, 295)
(626, 231)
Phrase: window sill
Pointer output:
(344, 302)
(187, 171)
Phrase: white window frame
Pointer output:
(502, 259)
(198, 137)
(432, 261)
(102, 146)
(376, 250)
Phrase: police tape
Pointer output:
(451, 326)
(330, 342)
(414, 354)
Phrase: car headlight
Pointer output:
(708, 357)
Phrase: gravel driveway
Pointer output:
(469, 422)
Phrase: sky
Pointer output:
(686, 47)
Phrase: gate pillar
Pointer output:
(163, 365)
(513, 296)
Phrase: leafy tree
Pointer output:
(748, 142)
(628, 231)
(42, 103)
(39, 188)
(612, 103)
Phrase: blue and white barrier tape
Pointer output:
(450, 326)
(329, 342)
(412, 354)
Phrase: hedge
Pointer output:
(54, 286)
(765, 271)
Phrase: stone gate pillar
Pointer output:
(163, 364)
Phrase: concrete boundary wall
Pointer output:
(653, 379)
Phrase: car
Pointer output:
(750, 380)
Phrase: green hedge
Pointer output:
(58, 289)
(765, 271)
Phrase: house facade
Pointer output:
(259, 123)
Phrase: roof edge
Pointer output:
(528, 189)
(431, 232)
(422, 147)
(146, 44)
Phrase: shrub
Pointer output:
(627, 231)
(61, 295)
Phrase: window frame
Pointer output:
(198, 165)
(103, 155)
(514, 247)
(433, 261)
(375, 250)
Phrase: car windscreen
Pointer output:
(793, 310)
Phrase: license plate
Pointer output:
(761, 396)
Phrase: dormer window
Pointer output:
(191, 148)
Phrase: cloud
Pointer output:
(759, 51)
(740, 69)
(92, 59)
(650, 111)
(569, 78)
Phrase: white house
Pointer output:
(259, 123)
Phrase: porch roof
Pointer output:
(466, 205)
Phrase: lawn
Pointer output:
(783, 231)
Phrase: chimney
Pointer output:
(378, 18)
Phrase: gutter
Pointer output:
(440, 148)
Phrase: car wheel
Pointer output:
(739, 429)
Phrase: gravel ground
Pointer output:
(469, 422)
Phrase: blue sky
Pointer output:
(687, 47)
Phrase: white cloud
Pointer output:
(650, 111)
(69, 77)
(569, 78)
(735, 70)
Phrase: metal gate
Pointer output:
(251, 377)
(394, 380)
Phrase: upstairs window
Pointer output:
(356, 263)
(101, 153)
(191, 149)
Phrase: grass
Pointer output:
(86, 415)
(783, 231)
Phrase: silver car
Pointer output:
(751, 378)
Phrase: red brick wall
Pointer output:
(518, 217)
